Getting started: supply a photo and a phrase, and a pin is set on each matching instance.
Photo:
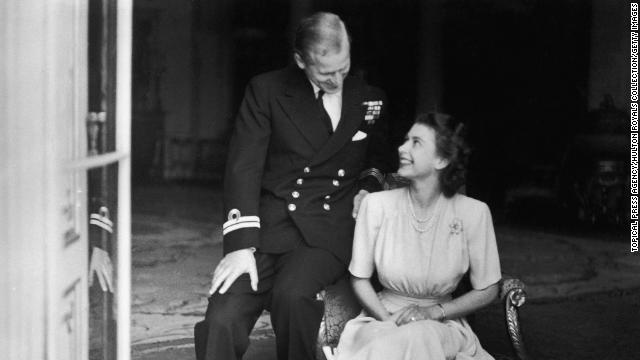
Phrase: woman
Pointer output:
(421, 240)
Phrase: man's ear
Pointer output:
(441, 163)
(299, 60)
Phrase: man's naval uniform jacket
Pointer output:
(289, 177)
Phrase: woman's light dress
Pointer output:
(419, 263)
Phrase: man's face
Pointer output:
(327, 72)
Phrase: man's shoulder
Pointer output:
(366, 89)
(274, 77)
(273, 83)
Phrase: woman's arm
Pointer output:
(368, 298)
(470, 302)
(466, 304)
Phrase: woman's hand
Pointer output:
(413, 313)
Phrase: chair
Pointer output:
(341, 305)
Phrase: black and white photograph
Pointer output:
(319, 180)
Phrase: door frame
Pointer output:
(33, 169)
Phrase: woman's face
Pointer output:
(418, 156)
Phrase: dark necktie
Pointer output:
(325, 115)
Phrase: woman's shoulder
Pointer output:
(385, 203)
(386, 197)
(468, 206)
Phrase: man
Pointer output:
(308, 143)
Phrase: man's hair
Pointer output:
(320, 33)
(450, 145)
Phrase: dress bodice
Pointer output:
(423, 264)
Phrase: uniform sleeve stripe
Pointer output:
(102, 225)
(241, 219)
(99, 217)
(240, 225)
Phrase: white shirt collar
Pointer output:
(316, 89)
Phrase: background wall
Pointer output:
(609, 66)
(523, 75)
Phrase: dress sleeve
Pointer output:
(366, 231)
(484, 263)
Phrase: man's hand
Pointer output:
(230, 267)
(357, 200)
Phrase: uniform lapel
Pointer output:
(350, 119)
(299, 104)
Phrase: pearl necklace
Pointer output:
(429, 220)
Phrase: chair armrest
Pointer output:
(512, 293)
(340, 306)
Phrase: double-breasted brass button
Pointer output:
(341, 172)
(336, 183)
(292, 207)
(295, 194)
(327, 197)
(299, 181)
(326, 207)
(306, 170)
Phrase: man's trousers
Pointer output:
(287, 287)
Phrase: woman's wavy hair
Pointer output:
(450, 145)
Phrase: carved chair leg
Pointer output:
(514, 297)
